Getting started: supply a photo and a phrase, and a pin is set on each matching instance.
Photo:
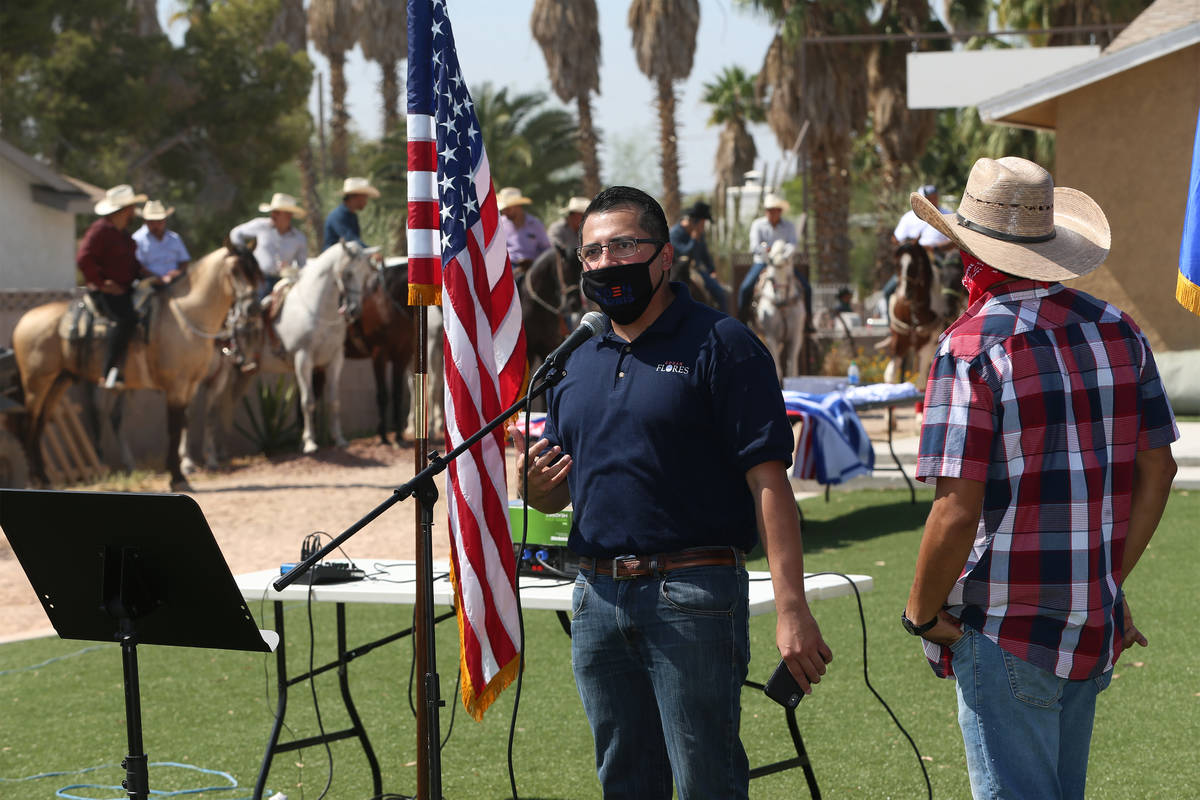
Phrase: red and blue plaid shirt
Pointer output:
(1046, 395)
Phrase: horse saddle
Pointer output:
(273, 303)
(85, 320)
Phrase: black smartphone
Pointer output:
(782, 687)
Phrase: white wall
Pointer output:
(37, 243)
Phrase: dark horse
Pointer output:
(550, 297)
(912, 320)
(384, 334)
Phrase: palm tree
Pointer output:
(664, 41)
(900, 133)
(569, 34)
(824, 86)
(733, 102)
(1065, 13)
(333, 26)
(384, 40)
(289, 28)
(529, 145)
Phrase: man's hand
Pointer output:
(1132, 634)
(800, 643)
(947, 631)
(111, 287)
(547, 490)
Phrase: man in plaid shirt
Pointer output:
(1048, 433)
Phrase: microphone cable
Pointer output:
(862, 619)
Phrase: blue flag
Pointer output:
(1187, 292)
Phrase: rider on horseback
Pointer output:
(279, 245)
(524, 234)
(159, 250)
(765, 232)
(687, 237)
(565, 232)
(342, 223)
(107, 258)
(912, 228)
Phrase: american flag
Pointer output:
(454, 241)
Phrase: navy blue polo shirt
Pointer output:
(662, 431)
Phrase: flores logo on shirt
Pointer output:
(677, 367)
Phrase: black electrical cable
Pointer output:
(512, 726)
(867, 678)
(312, 684)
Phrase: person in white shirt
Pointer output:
(161, 252)
(278, 243)
(765, 231)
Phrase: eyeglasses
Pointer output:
(620, 247)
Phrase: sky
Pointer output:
(495, 44)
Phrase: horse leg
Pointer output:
(176, 422)
(41, 396)
(116, 415)
(333, 400)
(308, 404)
(400, 399)
(379, 368)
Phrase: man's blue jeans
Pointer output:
(715, 289)
(1027, 732)
(659, 662)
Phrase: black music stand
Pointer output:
(133, 568)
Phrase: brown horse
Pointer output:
(912, 320)
(384, 333)
(550, 297)
(185, 319)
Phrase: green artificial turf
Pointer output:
(213, 710)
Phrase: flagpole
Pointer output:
(423, 642)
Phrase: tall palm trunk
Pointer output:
(587, 147)
(390, 89)
(669, 158)
(339, 118)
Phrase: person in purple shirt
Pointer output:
(524, 234)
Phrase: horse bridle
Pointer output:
(564, 291)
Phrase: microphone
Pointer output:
(591, 324)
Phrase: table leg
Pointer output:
(912, 492)
(355, 722)
(281, 683)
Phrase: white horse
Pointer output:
(779, 313)
(311, 328)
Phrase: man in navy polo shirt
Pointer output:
(669, 435)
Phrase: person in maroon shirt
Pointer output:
(107, 258)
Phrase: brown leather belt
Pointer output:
(626, 567)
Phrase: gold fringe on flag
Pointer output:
(476, 701)
(424, 294)
(1188, 294)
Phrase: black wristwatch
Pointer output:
(915, 629)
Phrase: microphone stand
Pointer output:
(422, 485)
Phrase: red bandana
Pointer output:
(978, 277)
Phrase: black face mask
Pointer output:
(622, 291)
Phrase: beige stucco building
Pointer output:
(1124, 126)
(38, 207)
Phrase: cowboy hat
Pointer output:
(154, 211)
(117, 198)
(775, 201)
(282, 202)
(510, 196)
(577, 205)
(1013, 218)
(359, 186)
(698, 210)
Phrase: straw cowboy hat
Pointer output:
(154, 211)
(1014, 218)
(775, 201)
(282, 202)
(359, 186)
(511, 196)
(577, 205)
(117, 198)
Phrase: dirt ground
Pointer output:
(261, 509)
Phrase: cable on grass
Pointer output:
(65, 791)
(49, 661)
